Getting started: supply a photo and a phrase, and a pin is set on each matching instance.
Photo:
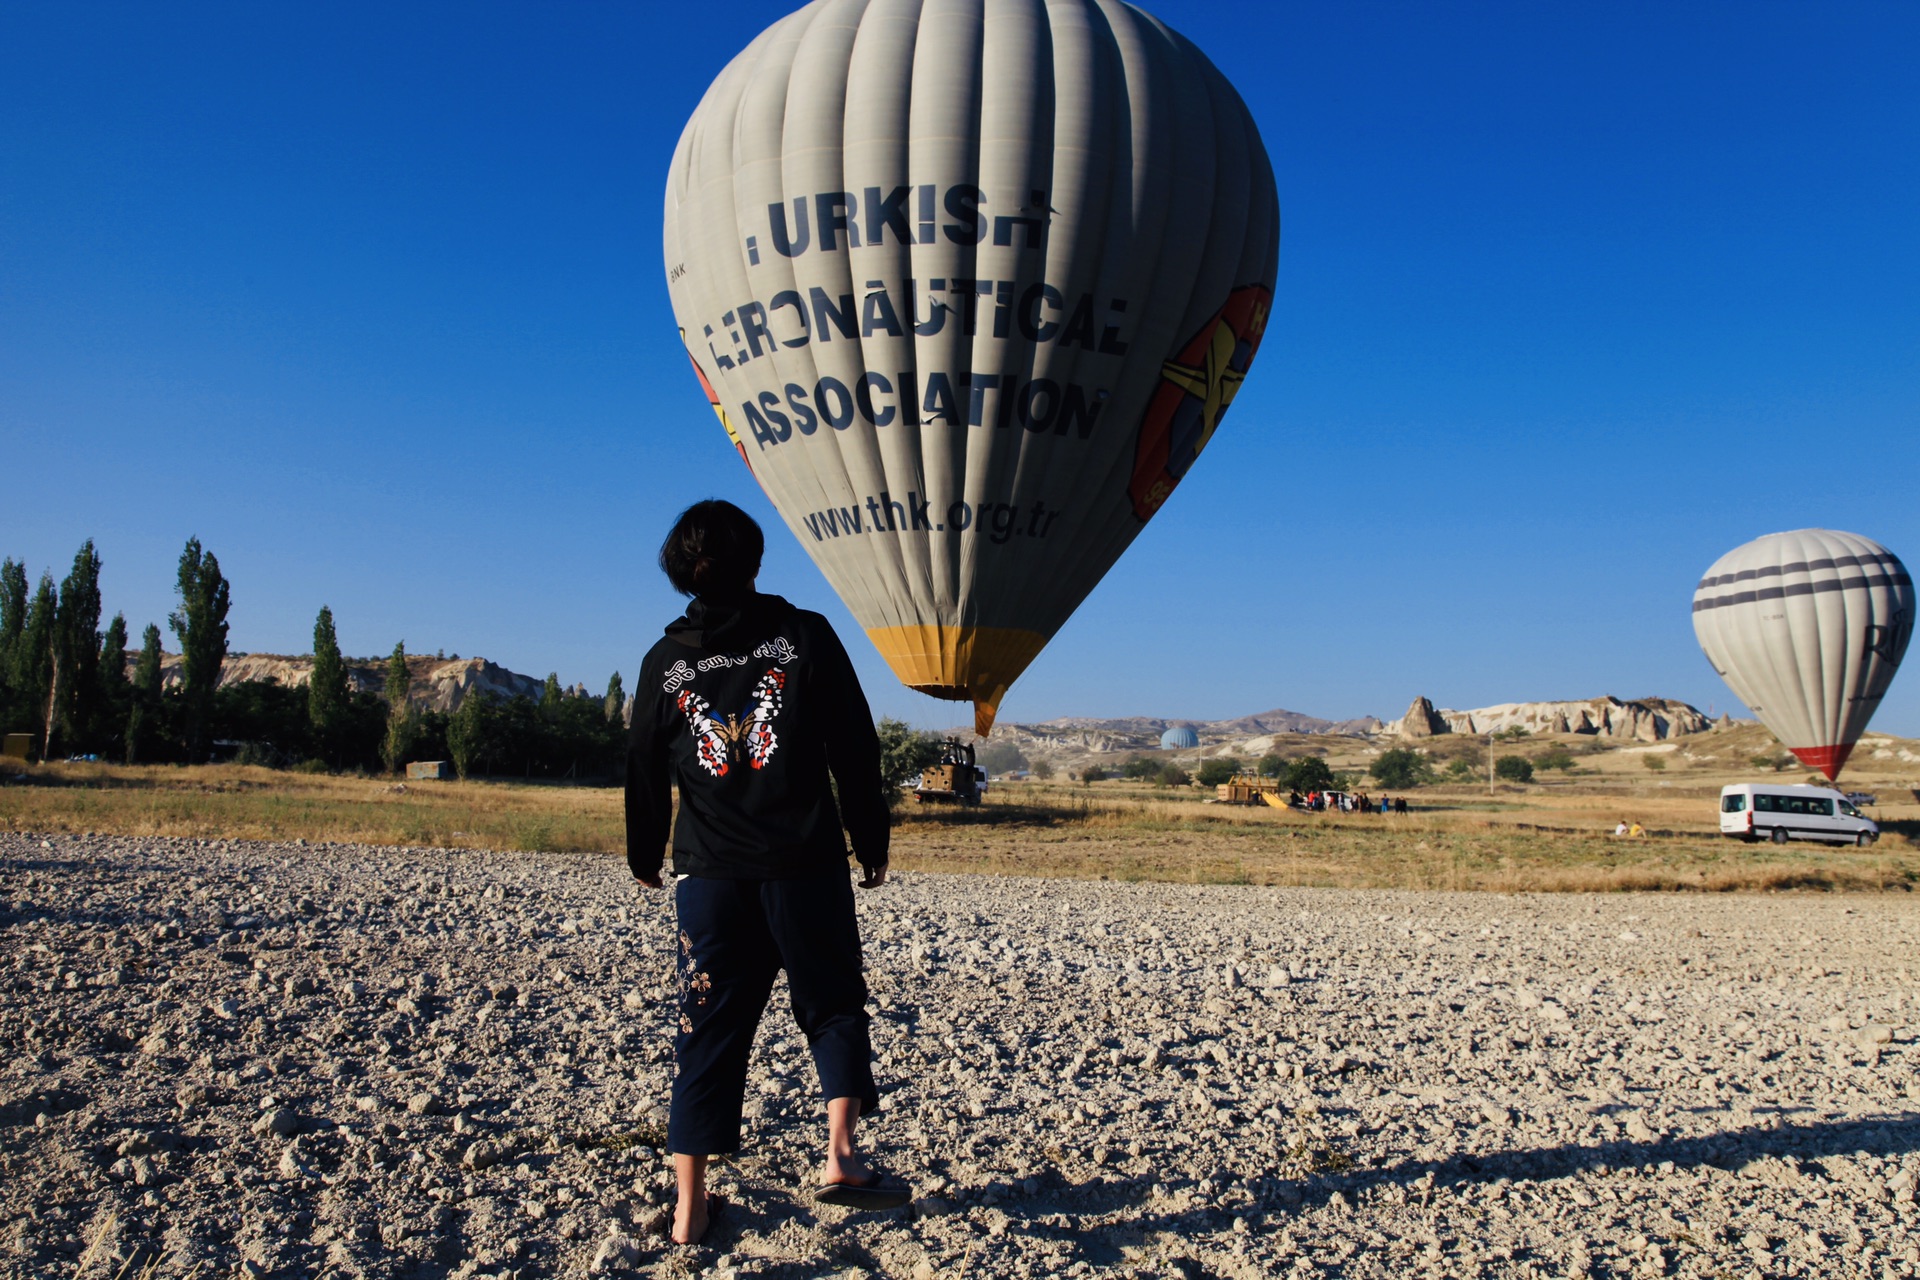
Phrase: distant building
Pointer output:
(1180, 737)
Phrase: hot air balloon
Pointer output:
(1808, 629)
(969, 285)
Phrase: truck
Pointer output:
(1752, 811)
(954, 778)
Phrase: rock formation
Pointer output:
(435, 684)
(1421, 721)
(1637, 720)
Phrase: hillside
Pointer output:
(436, 684)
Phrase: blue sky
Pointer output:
(1572, 299)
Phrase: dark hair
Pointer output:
(714, 548)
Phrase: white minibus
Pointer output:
(1764, 811)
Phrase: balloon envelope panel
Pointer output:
(970, 286)
(1808, 629)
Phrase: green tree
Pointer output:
(466, 731)
(327, 690)
(905, 753)
(115, 696)
(1001, 757)
(33, 659)
(1460, 768)
(143, 717)
(615, 703)
(1309, 773)
(1513, 769)
(13, 623)
(1140, 767)
(1554, 758)
(1093, 773)
(1171, 775)
(1270, 766)
(1043, 769)
(75, 692)
(550, 695)
(402, 720)
(1400, 768)
(1218, 770)
(201, 625)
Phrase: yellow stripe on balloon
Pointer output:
(973, 664)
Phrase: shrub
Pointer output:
(1171, 775)
(1140, 767)
(1768, 760)
(1655, 763)
(1042, 769)
(1461, 768)
(1554, 758)
(1401, 768)
(1093, 773)
(1215, 772)
(1513, 769)
(905, 753)
(1270, 766)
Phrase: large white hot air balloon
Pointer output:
(970, 284)
(1807, 628)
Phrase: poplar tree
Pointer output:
(33, 659)
(201, 624)
(402, 720)
(75, 693)
(143, 717)
(550, 697)
(327, 698)
(616, 704)
(13, 623)
(466, 731)
(115, 695)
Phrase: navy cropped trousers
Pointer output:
(735, 937)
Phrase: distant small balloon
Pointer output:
(970, 285)
(1807, 628)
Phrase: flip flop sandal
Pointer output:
(716, 1210)
(879, 1190)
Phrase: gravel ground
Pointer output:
(283, 1059)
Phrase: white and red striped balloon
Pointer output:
(1807, 628)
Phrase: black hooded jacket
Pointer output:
(747, 706)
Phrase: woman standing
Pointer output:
(747, 705)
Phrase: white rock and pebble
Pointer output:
(268, 1059)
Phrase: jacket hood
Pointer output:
(729, 625)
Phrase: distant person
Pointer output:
(1386, 804)
(1621, 830)
(748, 705)
(1636, 830)
(1399, 804)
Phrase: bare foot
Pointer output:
(690, 1221)
(843, 1169)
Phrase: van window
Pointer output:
(1849, 811)
(1733, 804)
(1763, 803)
(1820, 808)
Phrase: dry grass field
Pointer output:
(1551, 835)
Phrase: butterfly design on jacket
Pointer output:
(719, 744)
